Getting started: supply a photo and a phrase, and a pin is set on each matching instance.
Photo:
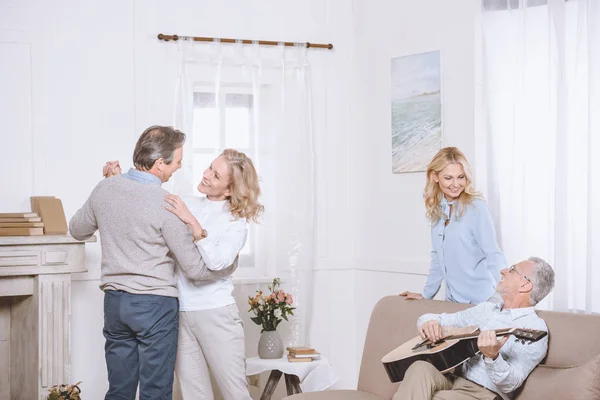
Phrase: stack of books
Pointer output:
(302, 354)
(47, 217)
(21, 224)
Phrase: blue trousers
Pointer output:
(141, 344)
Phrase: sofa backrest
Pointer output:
(393, 321)
(572, 338)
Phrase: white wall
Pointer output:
(392, 241)
(82, 79)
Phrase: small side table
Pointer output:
(313, 376)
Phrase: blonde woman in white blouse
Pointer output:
(211, 333)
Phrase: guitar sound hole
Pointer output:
(436, 344)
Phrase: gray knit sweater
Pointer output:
(141, 241)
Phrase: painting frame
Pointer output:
(416, 104)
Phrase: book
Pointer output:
(21, 231)
(292, 359)
(52, 213)
(19, 215)
(34, 219)
(34, 201)
(301, 350)
(21, 224)
(312, 355)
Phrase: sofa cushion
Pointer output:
(566, 332)
(577, 383)
(334, 395)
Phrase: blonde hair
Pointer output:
(243, 186)
(433, 194)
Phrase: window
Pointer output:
(537, 153)
(224, 121)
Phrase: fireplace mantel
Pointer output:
(35, 312)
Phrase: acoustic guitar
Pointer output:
(457, 346)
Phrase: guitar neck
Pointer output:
(529, 335)
(463, 336)
(474, 335)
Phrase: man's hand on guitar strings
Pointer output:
(432, 330)
(489, 345)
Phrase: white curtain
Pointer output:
(538, 156)
(281, 146)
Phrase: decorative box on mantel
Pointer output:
(35, 312)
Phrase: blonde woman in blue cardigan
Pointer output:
(465, 251)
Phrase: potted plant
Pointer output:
(269, 311)
(65, 392)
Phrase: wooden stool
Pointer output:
(292, 384)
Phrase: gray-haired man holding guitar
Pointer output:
(504, 363)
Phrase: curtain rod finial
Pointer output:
(167, 38)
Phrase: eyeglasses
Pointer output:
(514, 269)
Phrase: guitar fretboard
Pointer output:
(473, 335)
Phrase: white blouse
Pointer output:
(226, 237)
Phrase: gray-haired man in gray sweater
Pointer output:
(141, 244)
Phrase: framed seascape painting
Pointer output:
(416, 111)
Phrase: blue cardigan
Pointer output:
(466, 254)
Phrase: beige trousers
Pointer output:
(423, 381)
(211, 339)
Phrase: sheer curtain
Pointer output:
(539, 152)
(281, 146)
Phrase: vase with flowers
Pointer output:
(269, 310)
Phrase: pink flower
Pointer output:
(289, 299)
(280, 296)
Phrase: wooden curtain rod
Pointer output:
(168, 38)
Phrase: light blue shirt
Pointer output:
(142, 177)
(466, 254)
(516, 360)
